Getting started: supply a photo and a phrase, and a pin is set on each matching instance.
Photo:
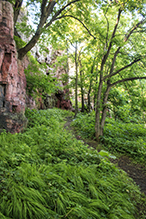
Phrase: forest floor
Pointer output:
(134, 170)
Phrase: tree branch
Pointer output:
(121, 69)
(59, 12)
(114, 60)
(127, 79)
(113, 35)
(49, 8)
(107, 29)
(134, 28)
(43, 6)
(63, 16)
(45, 13)
(118, 50)
(17, 7)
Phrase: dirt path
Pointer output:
(135, 171)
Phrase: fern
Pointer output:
(4, 217)
(45, 173)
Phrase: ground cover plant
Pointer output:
(47, 173)
(126, 138)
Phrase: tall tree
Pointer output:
(81, 83)
(49, 12)
(120, 54)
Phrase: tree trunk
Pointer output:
(104, 111)
(82, 91)
(90, 85)
(67, 96)
(89, 91)
(22, 52)
(95, 91)
(76, 81)
(98, 130)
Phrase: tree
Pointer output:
(118, 34)
(50, 11)
(81, 83)
(120, 54)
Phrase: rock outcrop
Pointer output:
(12, 77)
(61, 98)
(62, 102)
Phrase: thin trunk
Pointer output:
(82, 91)
(89, 91)
(81, 82)
(98, 132)
(95, 94)
(97, 113)
(95, 98)
(67, 96)
(104, 111)
(90, 85)
(76, 81)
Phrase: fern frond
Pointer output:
(92, 213)
(61, 209)
(98, 204)
(3, 216)
(77, 197)
(93, 191)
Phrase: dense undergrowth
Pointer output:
(126, 138)
(46, 173)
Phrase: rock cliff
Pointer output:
(12, 77)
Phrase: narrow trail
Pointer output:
(136, 171)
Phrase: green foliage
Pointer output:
(127, 138)
(46, 173)
(23, 25)
(19, 42)
(38, 83)
(128, 105)
(85, 125)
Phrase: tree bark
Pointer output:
(22, 52)
(89, 101)
(98, 130)
(82, 91)
(90, 85)
(76, 80)
(104, 111)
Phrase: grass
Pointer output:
(46, 173)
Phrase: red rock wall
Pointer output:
(12, 77)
